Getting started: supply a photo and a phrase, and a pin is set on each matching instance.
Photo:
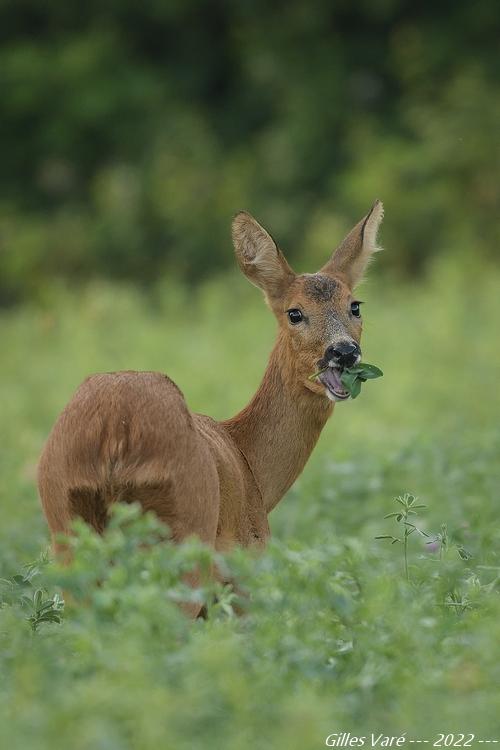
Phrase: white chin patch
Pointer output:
(330, 395)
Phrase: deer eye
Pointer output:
(294, 316)
(355, 310)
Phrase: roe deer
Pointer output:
(130, 436)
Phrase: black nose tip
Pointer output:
(345, 353)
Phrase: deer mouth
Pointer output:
(333, 384)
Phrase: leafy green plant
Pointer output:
(409, 507)
(43, 608)
(353, 377)
(442, 539)
(445, 543)
(457, 601)
(23, 579)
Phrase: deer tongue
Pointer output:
(331, 379)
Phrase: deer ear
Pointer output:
(355, 252)
(259, 257)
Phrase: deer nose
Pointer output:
(345, 353)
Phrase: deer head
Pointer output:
(318, 315)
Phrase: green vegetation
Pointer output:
(131, 132)
(353, 377)
(335, 638)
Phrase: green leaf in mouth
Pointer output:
(352, 377)
(368, 372)
(355, 388)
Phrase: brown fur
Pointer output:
(129, 436)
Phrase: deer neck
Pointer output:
(279, 428)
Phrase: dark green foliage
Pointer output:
(353, 377)
(131, 132)
(334, 637)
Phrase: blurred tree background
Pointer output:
(131, 132)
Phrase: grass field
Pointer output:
(335, 638)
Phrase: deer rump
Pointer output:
(130, 437)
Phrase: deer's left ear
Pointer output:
(354, 253)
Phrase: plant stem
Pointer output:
(315, 374)
(405, 547)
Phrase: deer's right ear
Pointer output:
(259, 257)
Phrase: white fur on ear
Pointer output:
(372, 224)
